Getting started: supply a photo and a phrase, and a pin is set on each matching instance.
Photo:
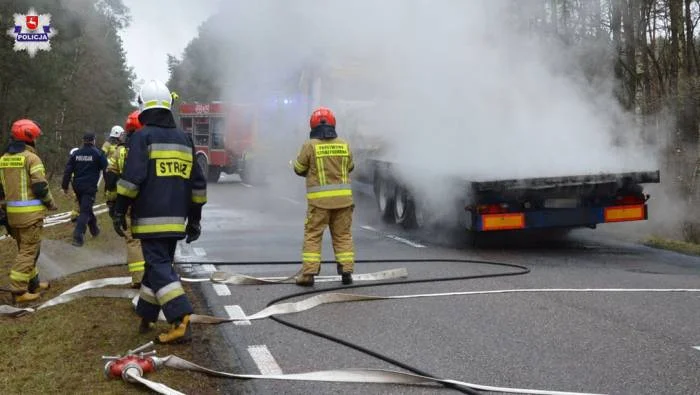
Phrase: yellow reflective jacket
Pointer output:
(326, 164)
(23, 177)
(108, 148)
(115, 165)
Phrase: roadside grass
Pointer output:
(59, 349)
(673, 245)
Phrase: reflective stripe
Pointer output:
(36, 168)
(344, 170)
(321, 171)
(23, 186)
(127, 188)
(345, 257)
(148, 295)
(137, 266)
(169, 292)
(311, 257)
(23, 203)
(331, 187)
(299, 167)
(158, 225)
(328, 194)
(170, 147)
(199, 195)
(24, 206)
(19, 276)
(170, 151)
(153, 103)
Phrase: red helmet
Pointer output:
(322, 116)
(132, 122)
(26, 130)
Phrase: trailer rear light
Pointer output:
(499, 208)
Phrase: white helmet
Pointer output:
(116, 132)
(72, 151)
(155, 95)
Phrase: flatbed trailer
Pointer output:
(415, 198)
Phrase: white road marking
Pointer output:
(286, 199)
(199, 251)
(236, 312)
(246, 185)
(264, 359)
(394, 237)
(697, 347)
(221, 289)
(208, 268)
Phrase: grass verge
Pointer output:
(59, 349)
(673, 245)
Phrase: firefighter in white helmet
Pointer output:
(166, 189)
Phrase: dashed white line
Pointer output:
(208, 268)
(221, 289)
(199, 251)
(697, 347)
(369, 228)
(246, 185)
(264, 360)
(236, 312)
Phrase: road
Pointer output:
(616, 343)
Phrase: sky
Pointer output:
(160, 27)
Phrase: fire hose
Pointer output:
(275, 308)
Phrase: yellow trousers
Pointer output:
(134, 258)
(24, 270)
(339, 221)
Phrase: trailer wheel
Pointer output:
(384, 194)
(407, 210)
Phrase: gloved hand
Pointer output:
(193, 230)
(119, 222)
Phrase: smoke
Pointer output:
(457, 87)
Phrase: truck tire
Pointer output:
(204, 165)
(407, 210)
(384, 195)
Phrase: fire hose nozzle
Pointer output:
(140, 348)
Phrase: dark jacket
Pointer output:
(84, 166)
(162, 181)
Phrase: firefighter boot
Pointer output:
(305, 280)
(26, 297)
(346, 278)
(181, 332)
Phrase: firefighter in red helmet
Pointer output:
(26, 197)
(326, 162)
(134, 256)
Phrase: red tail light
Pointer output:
(499, 208)
(629, 200)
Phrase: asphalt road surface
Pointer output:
(615, 343)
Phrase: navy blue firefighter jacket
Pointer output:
(162, 181)
(84, 166)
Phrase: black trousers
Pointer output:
(86, 199)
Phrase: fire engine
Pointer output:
(223, 135)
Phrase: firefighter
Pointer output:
(26, 197)
(112, 141)
(165, 188)
(75, 212)
(326, 162)
(84, 167)
(115, 168)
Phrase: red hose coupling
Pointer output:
(117, 368)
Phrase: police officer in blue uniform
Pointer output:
(84, 166)
(166, 189)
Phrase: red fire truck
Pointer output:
(223, 134)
